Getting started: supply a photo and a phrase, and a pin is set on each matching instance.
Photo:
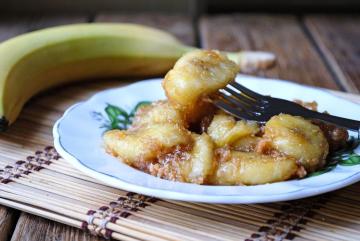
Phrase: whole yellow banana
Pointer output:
(42, 59)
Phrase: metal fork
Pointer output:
(244, 103)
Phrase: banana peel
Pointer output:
(36, 61)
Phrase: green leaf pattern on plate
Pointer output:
(344, 157)
(117, 117)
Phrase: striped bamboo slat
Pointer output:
(35, 179)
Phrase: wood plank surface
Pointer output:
(12, 26)
(34, 228)
(297, 59)
(338, 38)
(178, 25)
(8, 218)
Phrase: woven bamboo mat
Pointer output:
(35, 179)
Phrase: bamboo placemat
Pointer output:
(35, 179)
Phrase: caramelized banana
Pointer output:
(158, 112)
(294, 136)
(139, 146)
(225, 130)
(195, 76)
(241, 168)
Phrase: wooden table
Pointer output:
(319, 50)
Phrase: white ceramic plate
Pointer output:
(78, 138)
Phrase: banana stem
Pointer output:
(248, 61)
(251, 61)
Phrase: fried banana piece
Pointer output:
(241, 168)
(137, 147)
(294, 136)
(193, 165)
(195, 76)
(201, 164)
(158, 112)
(246, 144)
(225, 130)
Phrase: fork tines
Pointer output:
(247, 91)
(239, 101)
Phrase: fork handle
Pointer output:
(340, 121)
